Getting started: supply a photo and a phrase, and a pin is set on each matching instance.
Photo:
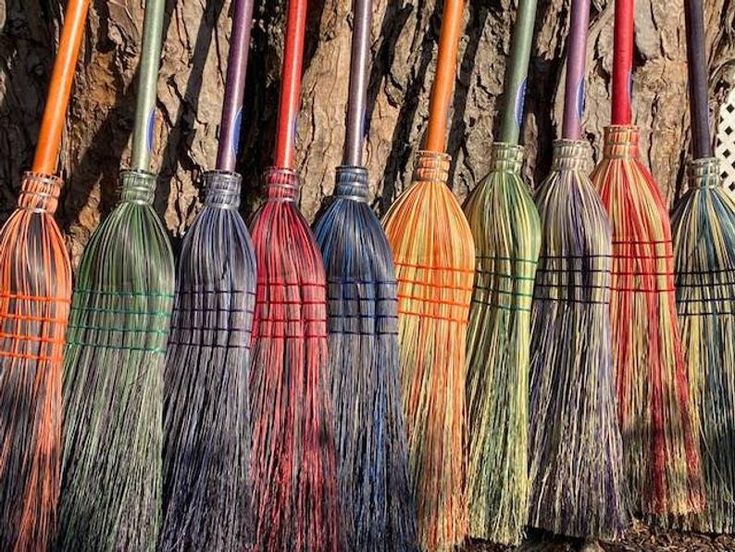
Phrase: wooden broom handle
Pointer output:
(576, 58)
(622, 113)
(698, 89)
(356, 105)
(446, 69)
(288, 110)
(237, 65)
(57, 101)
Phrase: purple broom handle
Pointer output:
(237, 65)
(576, 57)
(355, 124)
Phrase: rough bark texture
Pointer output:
(404, 46)
(405, 35)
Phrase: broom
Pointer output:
(35, 290)
(703, 225)
(577, 482)
(113, 371)
(378, 510)
(506, 229)
(206, 409)
(434, 256)
(293, 451)
(661, 454)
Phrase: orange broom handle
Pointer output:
(57, 101)
(288, 110)
(446, 70)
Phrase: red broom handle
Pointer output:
(446, 69)
(622, 113)
(57, 101)
(697, 64)
(291, 84)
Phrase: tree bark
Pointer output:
(404, 40)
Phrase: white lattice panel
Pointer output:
(725, 148)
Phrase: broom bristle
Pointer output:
(293, 466)
(660, 444)
(206, 410)
(507, 234)
(113, 379)
(434, 256)
(377, 504)
(35, 291)
(703, 226)
(577, 481)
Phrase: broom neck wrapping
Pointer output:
(622, 62)
(237, 64)
(704, 173)
(138, 186)
(62, 76)
(40, 193)
(574, 88)
(431, 167)
(147, 85)
(446, 69)
(282, 184)
(507, 158)
(223, 189)
(356, 106)
(293, 54)
(351, 183)
(698, 85)
(517, 72)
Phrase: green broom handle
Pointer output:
(147, 85)
(356, 105)
(517, 72)
(697, 65)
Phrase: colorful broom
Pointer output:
(434, 256)
(113, 371)
(506, 229)
(206, 410)
(35, 291)
(577, 482)
(378, 510)
(293, 466)
(703, 225)
(661, 449)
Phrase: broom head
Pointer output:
(434, 256)
(577, 482)
(113, 379)
(377, 503)
(35, 290)
(507, 234)
(293, 465)
(206, 409)
(659, 432)
(703, 225)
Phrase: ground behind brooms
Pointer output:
(638, 538)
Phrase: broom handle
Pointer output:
(446, 70)
(574, 88)
(697, 63)
(237, 65)
(57, 101)
(517, 72)
(356, 105)
(147, 84)
(622, 62)
(288, 109)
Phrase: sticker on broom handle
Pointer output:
(150, 130)
(235, 132)
(520, 101)
(580, 99)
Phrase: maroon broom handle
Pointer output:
(576, 57)
(288, 110)
(237, 65)
(698, 89)
(356, 105)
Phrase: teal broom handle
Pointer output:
(517, 72)
(150, 60)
